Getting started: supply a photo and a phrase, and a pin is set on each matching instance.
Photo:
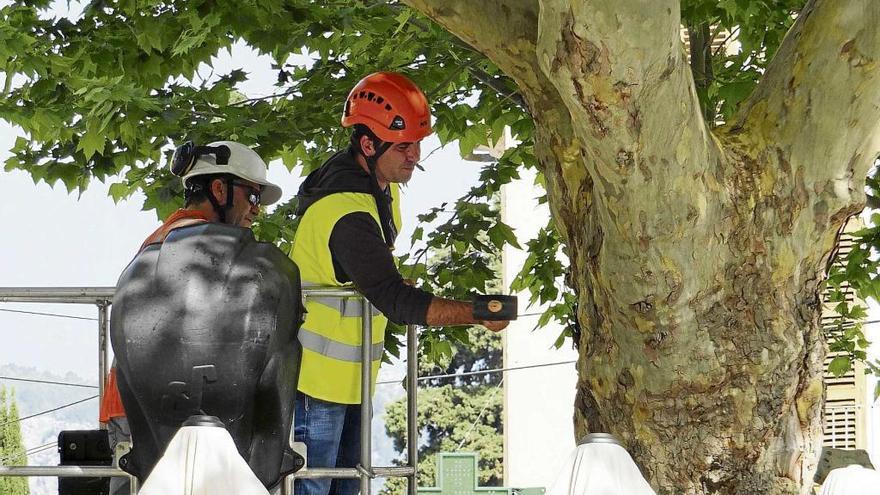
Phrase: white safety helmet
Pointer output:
(224, 157)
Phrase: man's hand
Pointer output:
(495, 326)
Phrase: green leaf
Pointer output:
(559, 340)
(402, 19)
(91, 142)
(119, 191)
(12, 163)
(508, 234)
(858, 312)
(21, 144)
(149, 36)
(839, 366)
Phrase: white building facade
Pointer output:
(539, 401)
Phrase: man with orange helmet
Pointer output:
(350, 215)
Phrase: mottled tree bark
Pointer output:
(697, 254)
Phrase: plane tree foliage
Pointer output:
(603, 102)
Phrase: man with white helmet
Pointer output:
(224, 182)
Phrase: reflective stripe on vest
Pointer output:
(332, 333)
(316, 342)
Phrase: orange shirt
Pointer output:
(111, 404)
(180, 218)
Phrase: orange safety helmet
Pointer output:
(391, 105)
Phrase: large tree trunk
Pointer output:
(697, 256)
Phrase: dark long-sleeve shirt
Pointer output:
(361, 256)
(357, 247)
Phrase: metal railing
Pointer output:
(71, 472)
(102, 298)
(99, 296)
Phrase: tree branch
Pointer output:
(820, 96)
(505, 32)
(496, 84)
(621, 70)
(723, 45)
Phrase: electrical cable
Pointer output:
(480, 416)
(849, 323)
(44, 449)
(541, 365)
(481, 372)
(41, 447)
(47, 382)
(49, 410)
(31, 451)
(529, 314)
(59, 315)
(56, 315)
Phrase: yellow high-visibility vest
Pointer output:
(332, 332)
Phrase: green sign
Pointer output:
(457, 475)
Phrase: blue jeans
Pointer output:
(332, 433)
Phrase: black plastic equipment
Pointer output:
(495, 307)
(84, 448)
(206, 323)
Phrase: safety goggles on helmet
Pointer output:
(186, 154)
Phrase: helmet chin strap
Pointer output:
(385, 220)
(221, 210)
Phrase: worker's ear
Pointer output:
(368, 148)
(218, 189)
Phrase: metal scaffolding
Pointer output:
(102, 297)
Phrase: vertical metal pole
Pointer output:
(103, 325)
(366, 399)
(412, 410)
